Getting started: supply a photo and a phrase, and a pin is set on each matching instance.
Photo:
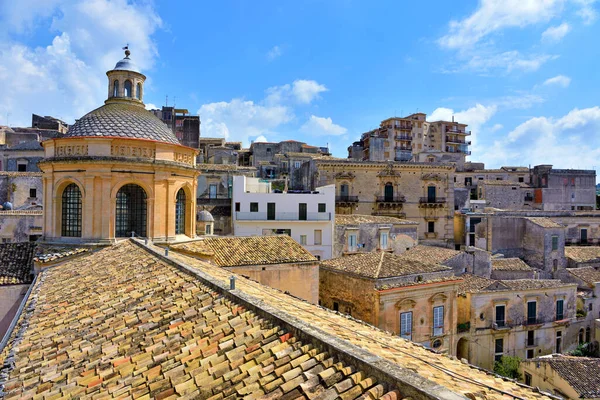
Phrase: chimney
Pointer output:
(453, 118)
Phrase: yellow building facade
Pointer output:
(119, 172)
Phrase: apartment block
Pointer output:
(307, 216)
(413, 138)
(186, 127)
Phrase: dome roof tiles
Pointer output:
(129, 121)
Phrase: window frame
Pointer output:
(254, 206)
(438, 321)
(72, 210)
(320, 237)
(408, 317)
(561, 315)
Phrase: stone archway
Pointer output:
(462, 349)
(131, 211)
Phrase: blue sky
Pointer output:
(522, 73)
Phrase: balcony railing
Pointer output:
(214, 200)
(404, 137)
(532, 321)
(459, 141)
(346, 199)
(282, 216)
(457, 131)
(403, 148)
(531, 343)
(432, 200)
(392, 199)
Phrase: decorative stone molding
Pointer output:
(72, 150)
(132, 151)
(345, 175)
(405, 303)
(388, 171)
(433, 177)
(184, 158)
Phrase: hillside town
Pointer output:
(141, 259)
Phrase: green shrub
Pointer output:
(508, 366)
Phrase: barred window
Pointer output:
(131, 211)
(71, 211)
(180, 213)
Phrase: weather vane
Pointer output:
(127, 52)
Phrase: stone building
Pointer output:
(49, 123)
(582, 256)
(564, 376)
(205, 223)
(275, 261)
(415, 300)
(356, 233)
(564, 189)
(22, 157)
(505, 195)
(214, 192)
(418, 192)
(412, 138)
(474, 261)
(539, 241)
(21, 216)
(119, 172)
(525, 318)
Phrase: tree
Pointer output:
(508, 366)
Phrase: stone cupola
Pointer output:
(125, 82)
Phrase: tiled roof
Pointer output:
(381, 264)
(127, 121)
(16, 263)
(232, 251)
(355, 219)
(122, 322)
(582, 253)
(223, 167)
(443, 279)
(509, 264)
(475, 284)
(544, 222)
(49, 254)
(430, 254)
(580, 372)
(589, 275)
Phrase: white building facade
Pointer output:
(308, 217)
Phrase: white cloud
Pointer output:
(300, 91)
(241, 119)
(586, 11)
(494, 15)
(274, 53)
(150, 106)
(67, 78)
(556, 33)
(495, 128)
(570, 141)
(505, 62)
(475, 117)
(320, 126)
(559, 80)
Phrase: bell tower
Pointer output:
(125, 82)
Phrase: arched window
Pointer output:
(138, 91)
(116, 89)
(71, 211)
(389, 192)
(127, 88)
(131, 213)
(180, 213)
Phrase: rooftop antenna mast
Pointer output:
(166, 100)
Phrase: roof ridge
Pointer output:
(378, 272)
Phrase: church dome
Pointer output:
(126, 65)
(122, 120)
(205, 216)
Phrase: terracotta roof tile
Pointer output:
(502, 183)
(381, 265)
(509, 264)
(589, 275)
(431, 254)
(580, 372)
(582, 253)
(16, 263)
(475, 284)
(231, 251)
(356, 219)
(123, 322)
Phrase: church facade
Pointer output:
(119, 172)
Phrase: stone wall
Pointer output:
(15, 188)
(299, 279)
(400, 237)
(20, 226)
(353, 295)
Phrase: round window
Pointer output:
(437, 344)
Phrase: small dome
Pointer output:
(126, 64)
(129, 121)
(205, 216)
(8, 206)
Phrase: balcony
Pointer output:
(282, 216)
(346, 199)
(403, 148)
(500, 324)
(458, 141)
(404, 137)
(432, 202)
(219, 200)
(533, 321)
(457, 131)
(532, 343)
(390, 199)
